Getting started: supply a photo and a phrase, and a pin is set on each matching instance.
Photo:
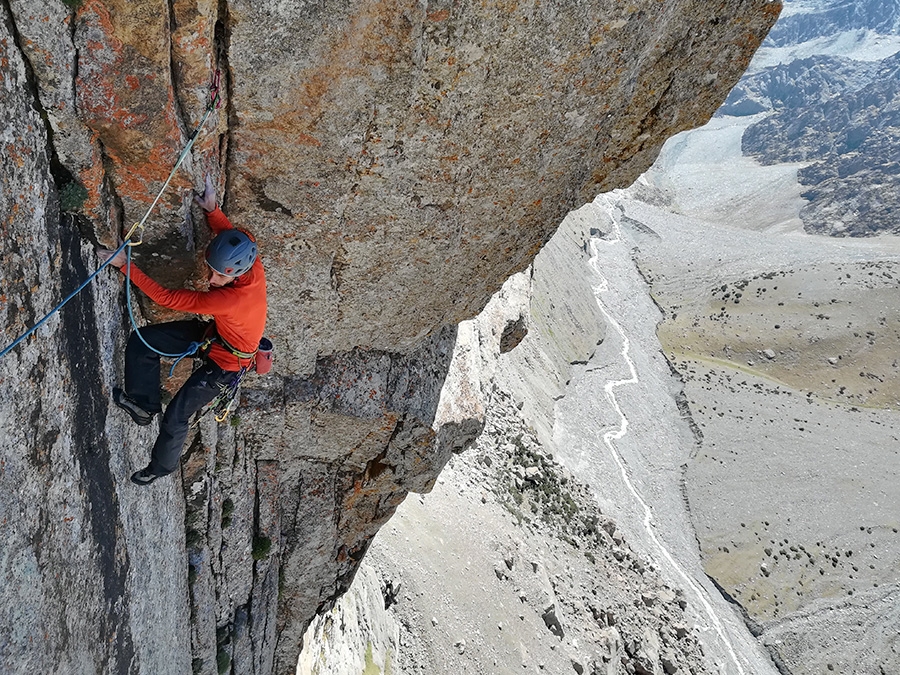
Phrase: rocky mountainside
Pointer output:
(397, 162)
(795, 85)
(788, 361)
(849, 133)
(531, 555)
(535, 544)
(838, 114)
(788, 355)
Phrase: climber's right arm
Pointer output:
(218, 222)
(213, 301)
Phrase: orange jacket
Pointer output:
(239, 309)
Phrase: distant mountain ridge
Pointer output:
(835, 16)
(811, 124)
(797, 84)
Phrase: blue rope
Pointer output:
(40, 323)
(192, 348)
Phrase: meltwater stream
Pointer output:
(636, 470)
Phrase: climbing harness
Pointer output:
(215, 101)
(213, 336)
(226, 402)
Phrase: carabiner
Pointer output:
(136, 226)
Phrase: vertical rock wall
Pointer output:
(397, 162)
(88, 581)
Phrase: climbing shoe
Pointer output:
(143, 477)
(126, 403)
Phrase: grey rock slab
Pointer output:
(361, 616)
(81, 573)
(376, 132)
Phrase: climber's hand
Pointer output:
(207, 200)
(115, 259)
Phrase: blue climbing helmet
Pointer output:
(231, 253)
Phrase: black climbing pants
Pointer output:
(142, 385)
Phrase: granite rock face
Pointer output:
(397, 162)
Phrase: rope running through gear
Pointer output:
(214, 102)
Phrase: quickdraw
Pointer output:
(227, 401)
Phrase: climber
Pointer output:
(236, 299)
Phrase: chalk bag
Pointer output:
(264, 356)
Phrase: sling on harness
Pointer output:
(227, 400)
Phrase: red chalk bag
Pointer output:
(264, 356)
